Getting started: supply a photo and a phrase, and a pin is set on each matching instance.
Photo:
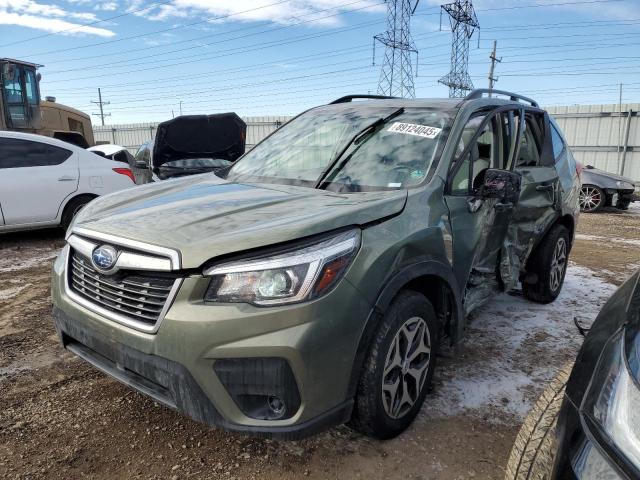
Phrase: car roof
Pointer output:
(107, 149)
(32, 137)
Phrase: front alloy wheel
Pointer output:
(397, 371)
(406, 367)
(591, 198)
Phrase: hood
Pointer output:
(200, 136)
(611, 176)
(203, 216)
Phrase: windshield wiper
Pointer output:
(354, 139)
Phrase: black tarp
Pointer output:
(220, 136)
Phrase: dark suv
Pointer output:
(314, 283)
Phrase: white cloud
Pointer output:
(50, 18)
(106, 6)
(250, 10)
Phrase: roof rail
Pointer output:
(478, 92)
(349, 98)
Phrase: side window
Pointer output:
(556, 141)
(479, 156)
(16, 153)
(32, 87)
(530, 147)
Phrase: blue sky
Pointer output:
(278, 57)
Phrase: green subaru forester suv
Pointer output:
(314, 284)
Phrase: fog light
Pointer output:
(277, 406)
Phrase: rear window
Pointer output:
(558, 143)
(17, 153)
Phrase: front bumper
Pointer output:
(317, 340)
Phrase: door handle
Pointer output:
(544, 188)
(67, 178)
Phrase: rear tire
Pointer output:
(398, 369)
(72, 209)
(534, 450)
(547, 266)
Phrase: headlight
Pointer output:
(613, 399)
(288, 277)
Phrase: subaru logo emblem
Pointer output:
(104, 257)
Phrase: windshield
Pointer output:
(395, 154)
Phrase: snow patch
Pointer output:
(513, 348)
(9, 293)
(37, 259)
(596, 238)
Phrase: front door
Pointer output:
(479, 225)
(539, 195)
(35, 179)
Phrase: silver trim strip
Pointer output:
(115, 317)
(170, 253)
(126, 260)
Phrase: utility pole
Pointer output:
(464, 22)
(101, 104)
(396, 74)
(494, 59)
(180, 107)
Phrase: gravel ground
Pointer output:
(60, 418)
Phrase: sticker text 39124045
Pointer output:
(424, 131)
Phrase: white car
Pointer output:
(44, 182)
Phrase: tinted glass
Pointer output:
(16, 153)
(556, 140)
(32, 87)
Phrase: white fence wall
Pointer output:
(132, 135)
(597, 134)
(600, 136)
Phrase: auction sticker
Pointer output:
(414, 129)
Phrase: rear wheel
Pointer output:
(534, 450)
(72, 209)
(592, 198)
(547, 266)
(398, 370)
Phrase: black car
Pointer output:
(586, 425)
(191, 144)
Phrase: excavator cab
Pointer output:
(19, 96)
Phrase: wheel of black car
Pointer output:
(534, 450)
(397, 372)
(72, 209)
(547, 266)
(592, 198)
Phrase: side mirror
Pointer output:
(496, 183)
(141, 164)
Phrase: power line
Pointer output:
(201, 45)
(229, 52)
(155, 32)
(190, 48)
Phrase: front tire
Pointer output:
(547, 266)
(399, 367)
(592, 198)
(534, 450)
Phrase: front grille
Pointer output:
(138, 296)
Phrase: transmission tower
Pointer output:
(464, 22)
(396, 75)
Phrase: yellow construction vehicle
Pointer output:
(22, 110)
